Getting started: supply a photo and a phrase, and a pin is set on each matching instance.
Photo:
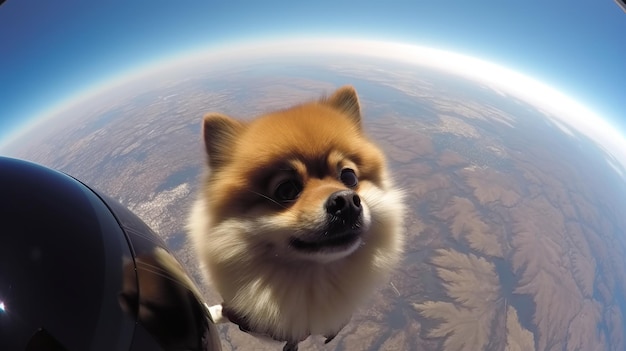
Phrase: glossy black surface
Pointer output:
(81, 273)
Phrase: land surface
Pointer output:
(515, 229)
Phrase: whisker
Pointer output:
(268, 198)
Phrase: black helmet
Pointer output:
(79, 271)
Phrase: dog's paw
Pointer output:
(329, 338)
(290, 346)
(216, 314)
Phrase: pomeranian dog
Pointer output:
(298, 220)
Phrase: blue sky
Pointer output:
(53, 50)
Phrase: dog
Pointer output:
(298, 220)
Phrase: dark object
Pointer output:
(78, 271)
(621, 4)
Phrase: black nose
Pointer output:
(344, 204)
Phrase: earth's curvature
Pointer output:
(516, 222)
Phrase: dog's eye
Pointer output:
(348, 177)
(288, 190)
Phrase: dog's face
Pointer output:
(303, 183)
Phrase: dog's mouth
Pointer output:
(327, 241)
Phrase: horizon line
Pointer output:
(494, 75)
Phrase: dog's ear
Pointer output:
(345, 99)
(219, 133)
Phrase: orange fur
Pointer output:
(243, 235)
